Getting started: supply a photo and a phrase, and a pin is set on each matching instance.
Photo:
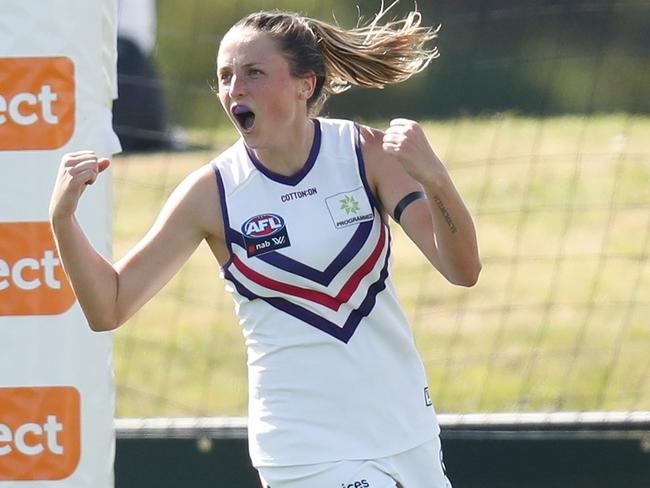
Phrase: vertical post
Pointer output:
(57, 84)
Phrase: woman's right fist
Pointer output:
(77, 170)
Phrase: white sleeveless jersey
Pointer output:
(333, 370)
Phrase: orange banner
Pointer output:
(32, 280)
(37, 103)
(39, 433)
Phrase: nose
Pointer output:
(237, 87)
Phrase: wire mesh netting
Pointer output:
(540, 114)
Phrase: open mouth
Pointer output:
(244, 117)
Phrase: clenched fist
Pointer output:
(77, 170)
(405, 140)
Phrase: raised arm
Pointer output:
(109, 294)
(401, 161)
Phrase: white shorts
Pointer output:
(420, 467)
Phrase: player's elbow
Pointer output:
(98, 325)
(468, 276)
(102, 322)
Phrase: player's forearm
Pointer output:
(93, 279)
(454, 233)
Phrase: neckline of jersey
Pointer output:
(296, 178)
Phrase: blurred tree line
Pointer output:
(533, 57)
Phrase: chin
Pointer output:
(250, 139)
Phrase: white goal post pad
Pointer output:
(57, 84)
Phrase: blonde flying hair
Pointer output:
(376, 54)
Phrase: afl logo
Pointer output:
(264, 225)
(264, 233)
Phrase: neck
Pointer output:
(289, 154)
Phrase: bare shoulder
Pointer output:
(387, 178)
(374, 157)
(197, 199)
(377, 161)
(200, 183)
(371, 142)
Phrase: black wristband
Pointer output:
(405, 202)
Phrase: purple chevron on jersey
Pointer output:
(343, 333)
(325, 277)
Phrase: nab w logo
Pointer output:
(264, 233)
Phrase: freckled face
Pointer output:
(256, 88)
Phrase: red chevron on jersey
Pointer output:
(327, 300)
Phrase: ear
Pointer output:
(306, 86)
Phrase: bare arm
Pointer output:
(401, 161)
(110, 294)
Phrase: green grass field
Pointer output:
(560, 319)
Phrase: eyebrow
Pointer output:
(247, 65)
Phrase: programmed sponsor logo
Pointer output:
(264, 233)
(37, 102)
(349, 208)
(40, 433)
